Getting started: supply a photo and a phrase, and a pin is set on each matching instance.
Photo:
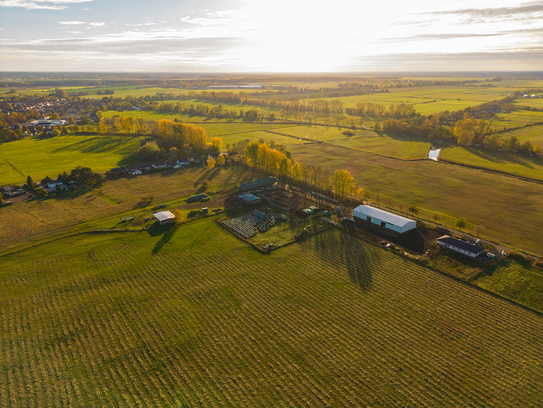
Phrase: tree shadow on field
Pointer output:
(167, 233)
(347, 251)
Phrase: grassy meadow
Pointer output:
(520, 165)
(191, 316)
(515, 278)
(39, 156)
(533, 134)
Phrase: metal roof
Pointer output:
(249, 197)
(164, 215)
(460, 244)
(385, 216)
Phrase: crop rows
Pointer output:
(332, 321)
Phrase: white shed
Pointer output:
(384, 218)
(164, 217)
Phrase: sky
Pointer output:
(270, 36)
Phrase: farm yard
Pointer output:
(192, 316)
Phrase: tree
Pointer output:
(72, 120)
(55, 116)
(413, 210)
(436, 217)
(377, 127)
(221, 160)
(376, 198)
(460, 223)
(211, 162)
(178, 216)
(217, 143)
(342, 182)
(400, 206)
(479, 230)
(56, 132)
(150, 151)
(29, 182)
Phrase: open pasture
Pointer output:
(191, 316)
(451, 191)
(41, 156)
(516, 118)
(534, 103)
(515, 278)
(520, 165)
(404, 147)
(534, 134)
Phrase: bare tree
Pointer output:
(479, 230)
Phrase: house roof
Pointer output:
(445, 239)
(249, 197)
(382, 215)
(164, 215)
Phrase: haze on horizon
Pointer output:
(283, 36)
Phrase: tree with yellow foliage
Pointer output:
(211, 162)
(217, 143)
(221, 160)
(178, 216)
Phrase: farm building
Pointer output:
(252, 185)
(459, 246)
(385, 219)
(164, 217)
(250, 199)
(134, 172)
(196, 198)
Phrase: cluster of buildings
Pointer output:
(176, 164)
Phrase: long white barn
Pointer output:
(384, 218)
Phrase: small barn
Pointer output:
(250, 199)
(164, 217)
(457, 245)
(384, 219)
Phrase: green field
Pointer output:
(41, 156)
(515, 278)
(534, 134)
(191, 316)
(523, 166)
(451, 191)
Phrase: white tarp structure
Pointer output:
(164, 217)
(384, 218)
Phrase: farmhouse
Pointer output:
(183, 162)
(250, 199)
(160, 165)
(118, 171)
(385, 219)
(134, 172)
(252, 185)
(164, 217)
(459, 246)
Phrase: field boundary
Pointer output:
(350, 148)
(486, 169)
(14, 168)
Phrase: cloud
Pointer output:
(72, 22)
(101, 24)
(521, 12)
(444, 36)
(40, 4)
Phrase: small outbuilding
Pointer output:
(457, 245)
(384, 219)
(250, 199)
(164, 217)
